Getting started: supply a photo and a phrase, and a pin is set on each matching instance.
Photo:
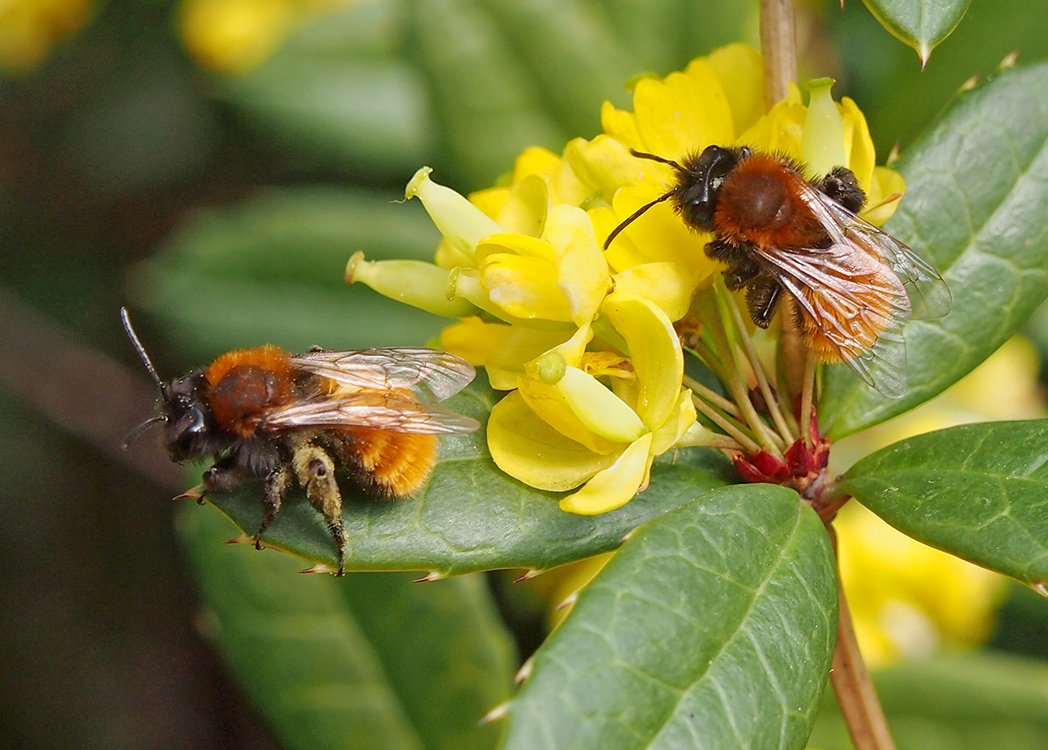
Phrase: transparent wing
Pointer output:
(388, 410)
(928, 294)
(428, 372)
(854, 308)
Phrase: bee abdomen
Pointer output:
(390, 463)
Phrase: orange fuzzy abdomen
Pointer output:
(876, 300)
(392, 463)
(241, 386)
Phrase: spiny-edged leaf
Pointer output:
(977, 185)
(372, 660)
(470, 516)
(977, 491)
(712, 627)
(271, 270)
(922, 24)
(960, 701)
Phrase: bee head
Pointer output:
(182, 409)
(699, 181)
(187, 431)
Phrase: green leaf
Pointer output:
(978, 491)
(365, 661)
(485, 97)
(960, 701)
(976, 191)
(271, 270)
(922, 24)
(470, 516)
(712, 627)
(339, 90)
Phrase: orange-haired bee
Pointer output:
(855, 286)
(299, 417)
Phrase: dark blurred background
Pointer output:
(115, 141)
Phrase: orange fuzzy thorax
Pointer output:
(760, 202)
(243, 384)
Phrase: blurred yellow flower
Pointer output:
(30, 28)
(907, 598)
(232, 36)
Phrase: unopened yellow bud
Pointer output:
(413, 282)
(461, 223)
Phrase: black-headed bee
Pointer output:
(297, 418)
(855, 286)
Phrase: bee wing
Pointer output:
(928, 294)
(370, 408)
(855, 302)
(428, 372)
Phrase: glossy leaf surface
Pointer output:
(978, 491)
(335, 663)
(976, 188)
(712, 627)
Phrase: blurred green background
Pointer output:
(214, 173)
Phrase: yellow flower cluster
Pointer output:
(583, 337)
(29, 28)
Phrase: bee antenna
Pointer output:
(659, 159)
(126, 319)
(142, 428)
(635, 215)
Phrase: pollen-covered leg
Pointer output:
(277, 483)
(316, 472)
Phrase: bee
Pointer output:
(298, 418)
(778, 231)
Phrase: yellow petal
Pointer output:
(474, 340)
(614, 486)
(598, 408)
(524, 286)
(604, 164)
(861, 154)
(668, 285)
(741, 72)
(681, 419)
(582, 271)
(886, 188)
(551, 406)
(527, 448)
(655, 352)
(683, 112)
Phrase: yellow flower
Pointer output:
(233, 36)
(29, 28)
(565, 429)
(581, 335)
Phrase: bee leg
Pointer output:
(762, 296)
(277, 482)
(739, 275)
(726, 252)
(316, 472)
(842, 186)
(223, 476)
